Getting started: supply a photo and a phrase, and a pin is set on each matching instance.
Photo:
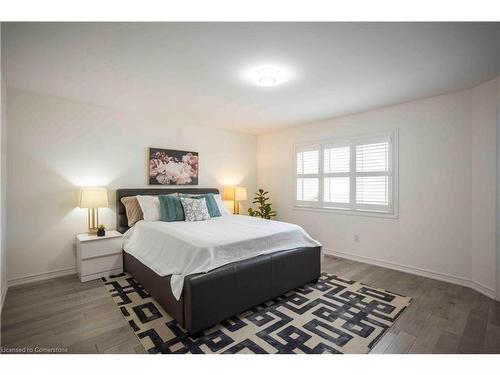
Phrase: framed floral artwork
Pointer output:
(173, 167)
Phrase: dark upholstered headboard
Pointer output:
(121, 215)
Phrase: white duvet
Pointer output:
(182, 248)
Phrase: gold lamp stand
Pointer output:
(93, 220)
(236, 207)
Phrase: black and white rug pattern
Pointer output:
(334, 315)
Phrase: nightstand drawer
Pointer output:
(101, 264)
(97, 248)
(99, 256)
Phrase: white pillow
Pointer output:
(150, 206)
(195, 209)
(220, 204)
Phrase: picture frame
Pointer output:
(172, 167)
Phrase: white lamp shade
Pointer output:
(228, 193)
(240, 193)
(93, 198)
(234, 193)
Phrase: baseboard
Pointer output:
(41, 276)
(416, 271)
(483, 289)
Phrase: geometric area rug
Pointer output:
(334, 315)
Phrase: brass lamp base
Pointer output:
(93, 220)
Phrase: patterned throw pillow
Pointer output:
(212, 206)
(195, 209)
(133, 210)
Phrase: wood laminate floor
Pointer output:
(62, 312)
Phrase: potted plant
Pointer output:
(264, 209)
(101, 230)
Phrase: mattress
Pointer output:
(183, 248)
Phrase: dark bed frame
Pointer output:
(208, 298)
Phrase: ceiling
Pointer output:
(193, 72)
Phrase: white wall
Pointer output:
(484, 183)
(56, 145)
(441, 141)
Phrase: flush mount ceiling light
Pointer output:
(268, 76)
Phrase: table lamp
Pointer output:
(93, 199)
(236, 194)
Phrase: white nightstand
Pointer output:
(99, 256)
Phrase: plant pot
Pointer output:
(101, 232)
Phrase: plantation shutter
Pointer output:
(349, 174)
(307, 181)
(372, 174)
(336, 182)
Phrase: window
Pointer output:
(308, 175)
(354, 174)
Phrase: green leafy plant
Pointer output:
(101, 227)
(264, 209)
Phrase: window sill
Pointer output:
(337, 211)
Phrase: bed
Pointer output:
(210, 297)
